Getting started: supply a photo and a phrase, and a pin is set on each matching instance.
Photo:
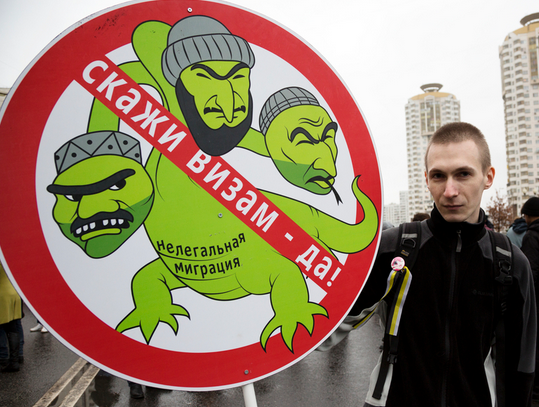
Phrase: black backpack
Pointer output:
(408, 243)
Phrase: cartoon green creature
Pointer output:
(203, 246)
(300, 137)
(103, 194)
(203, 79)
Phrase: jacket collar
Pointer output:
(447, 231)
(519, 225)
(534, 225)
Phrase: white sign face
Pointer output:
(194, 186)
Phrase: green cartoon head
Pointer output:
(210, 69)
(103, 194)
(300, 137)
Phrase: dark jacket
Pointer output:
(449, 317)
(530, 247)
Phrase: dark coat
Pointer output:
(530, 247)
(448, 320)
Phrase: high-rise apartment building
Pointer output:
(425, 113)
(520, 91)
(397, 213)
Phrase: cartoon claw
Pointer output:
(153, 301)
(289, 323)
(148, 321)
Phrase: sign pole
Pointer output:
(249, 395)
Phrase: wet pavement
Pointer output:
(45, 361)
(338, 377)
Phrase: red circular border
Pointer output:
(21, 238)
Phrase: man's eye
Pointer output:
(75, 198)
(119, 185)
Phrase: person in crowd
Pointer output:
(4, 347)
(447, 318)
(10, 316)
(39, 328)
(530, 241)
(516, 231)
(530, 247)
(418, 217)
(135, 390)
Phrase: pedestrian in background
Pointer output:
(530, 247)
(516, 231)
(10, 316)
(418, 217)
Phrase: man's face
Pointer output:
(101, 202)
(301, 143)
(456, 181)
(220, 90)
(529, 219)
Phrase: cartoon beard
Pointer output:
(212, 142)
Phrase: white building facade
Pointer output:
(520, 92)
(3, 94)
(397, 213)
(425, 113)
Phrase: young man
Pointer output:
(446, 335)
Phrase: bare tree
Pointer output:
(499, 212)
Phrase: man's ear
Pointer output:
(427, 180)
(490, 177)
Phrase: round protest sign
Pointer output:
(192, 196)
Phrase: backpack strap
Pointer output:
(407, 248)
(502, 257)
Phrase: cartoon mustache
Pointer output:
(326, 180)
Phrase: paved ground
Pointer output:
(335, 378)
(46, 360)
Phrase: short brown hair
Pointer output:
(458, 132)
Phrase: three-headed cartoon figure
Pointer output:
(202, 74)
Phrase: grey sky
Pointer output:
(383, 50)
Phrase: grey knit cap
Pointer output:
(200, 38)
(282, 100)
(97, 143)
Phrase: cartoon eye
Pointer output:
(74, 198)
(304, 142)
(239, 76)
(328, 135)
(202, 75)
(119, 185)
